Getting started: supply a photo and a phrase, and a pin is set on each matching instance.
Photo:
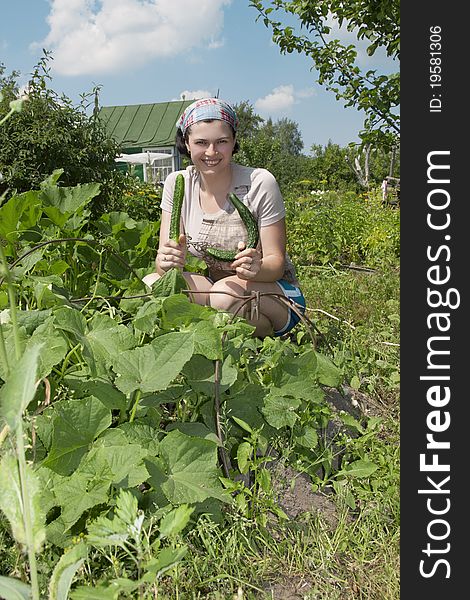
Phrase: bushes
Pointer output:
(332, 228)
(51, 133)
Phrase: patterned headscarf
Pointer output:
(206, 109)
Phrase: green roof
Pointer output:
(143, 125)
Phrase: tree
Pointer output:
(51, 133)
(248, 121)
(378, 95)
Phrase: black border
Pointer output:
(423, 132)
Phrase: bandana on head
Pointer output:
(207, 109)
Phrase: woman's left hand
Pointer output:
(247, 263)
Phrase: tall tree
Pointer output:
(248, 121)
(378, 23)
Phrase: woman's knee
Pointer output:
(225, 294)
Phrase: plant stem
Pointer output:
(12, 302)
(3, 353)
(137, 395)
(28, 526)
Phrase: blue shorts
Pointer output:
(294, 293)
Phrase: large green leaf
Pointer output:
(73, 322)
(171, 283)
(327, 372)
(153, 367)
(106, 338)
(20, 387)
(12, 502)
(76, 423)
(167, 558)
(124, 461)
(65, 570)
(12, 211)
(279, 411)
(101, 592)
(291, 369)
(179, 311)
(190, 472)
(54, 348)
(100, 388)
(59, 203)
(14, 589)
(207, 340)
(86, 488)
(359, 468)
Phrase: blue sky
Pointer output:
(144, 51)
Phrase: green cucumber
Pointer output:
(178, 196)
(251, 227)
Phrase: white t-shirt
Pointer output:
(257, 188)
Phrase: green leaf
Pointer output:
(292, 369)
(171, 283)
(280, 412)
(351, 421)
(20, 387)
(179, 311)
(14, 589)
(53, 350)
(166, 560)
(190, 470)
(100, 388)
(81, 491)
(64, 571)
(76, 423)
(12, 502)
(307, 437)
(359, 468)
(125, 462)
(61, 202)
(153, 367)
(175, 521)
(207, 340)
(195, 430)
(106, 338)
(244, 452)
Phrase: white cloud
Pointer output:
(279, 100)
(102, 36)
(194, 95)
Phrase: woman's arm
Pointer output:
(250, 265)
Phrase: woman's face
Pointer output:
(211, 145)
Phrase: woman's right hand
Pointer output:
(172, 254)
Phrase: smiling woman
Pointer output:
(207, 134)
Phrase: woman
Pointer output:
(207, 134)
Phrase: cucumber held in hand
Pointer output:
(178, 197)
(251, 227)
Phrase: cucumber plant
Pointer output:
(251, 227)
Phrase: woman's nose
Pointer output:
(211, 149)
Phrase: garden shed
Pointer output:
(148, 132)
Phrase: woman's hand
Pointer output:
(172, 254)
(247, 263)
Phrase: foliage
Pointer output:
(114, 392)
(51, 133)
(329, 228)
(377, 23)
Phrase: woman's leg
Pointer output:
(272, 312)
